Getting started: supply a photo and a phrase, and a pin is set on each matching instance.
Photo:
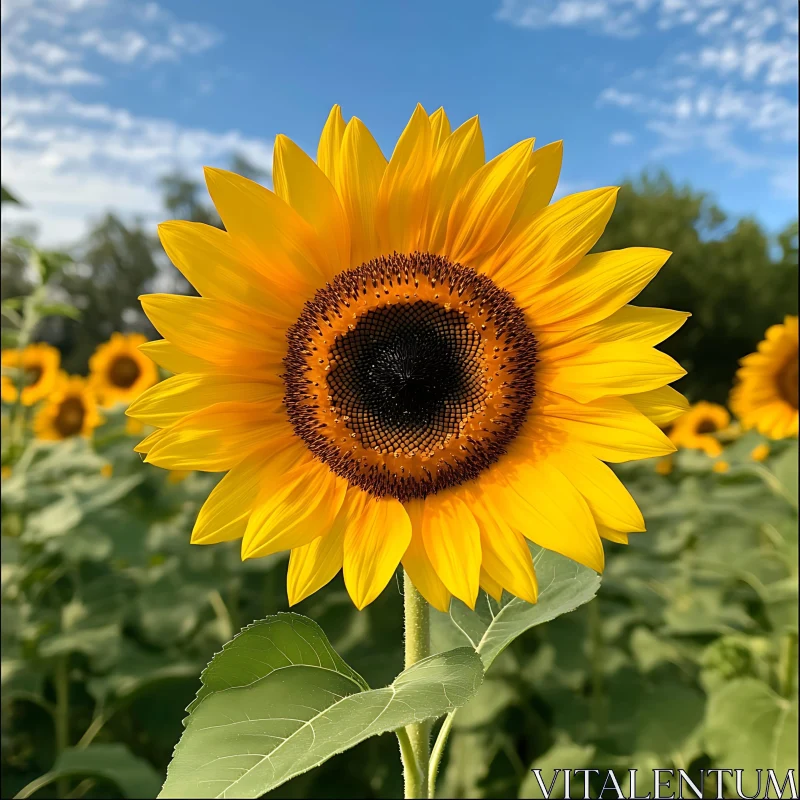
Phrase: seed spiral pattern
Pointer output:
(409, 374)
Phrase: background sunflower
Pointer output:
(765, 397)
(35, 368)
(696, 429)
(70, 410)
(118, 372)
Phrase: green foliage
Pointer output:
(687, 657)
(7, 197)
(729, 274)
(771, 724)
(106, 763)
(117, 264)
(695, 619)
(491, 627)
(279, 701)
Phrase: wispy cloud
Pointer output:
(605, 16)
(71, 159)
(49, 42)
(729, 87)
(621, 138)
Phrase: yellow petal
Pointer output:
(273, 236)
(373, 547)
(458, 158)
(490, 585)
(362, 168)
(609, 501)
(315, 564)
(403, 195)
(452, 541)
(330, 145)
(546, 508)
(597, 287)
(483, 209)
(167, 402)
(172, 359)
(609, 369)
(505, 554)
(661, 406)
(305, 187)
(149, 442)
(229, 336)
(293, 508)
(610, 429)
(208, 258)
(217, 438)
(612, 535)
(417, 564)
(553, 242)
(223, 517)
(648, 326)
(440, 128)
(544, 168)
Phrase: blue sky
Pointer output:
(100, 97)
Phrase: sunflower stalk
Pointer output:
(29, 320)
(415, 739)
(62, 716)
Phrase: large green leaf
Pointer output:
(563, 586)
(278, 701)
(270, 644)
(751, 727)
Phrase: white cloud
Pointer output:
(621, 138)
(608, 16)
(729, 90)
(39, 39)
(70, 161)
(51, 54)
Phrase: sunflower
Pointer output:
(695, 429)
(409, 361)
(38, 364)
(118, 372)
(70, 410)
(765, 396)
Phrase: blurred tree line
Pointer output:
(735, 278)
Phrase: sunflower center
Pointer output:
(32, 375)
(69, 420)
(706, 426)
(409, 374)
(123, 372)
(787, 382)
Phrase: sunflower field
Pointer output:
(683, 655)
(109, 615)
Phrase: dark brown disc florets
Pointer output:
(409, 374)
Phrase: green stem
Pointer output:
(438, 752)
(596, 639)
(788, 664)
(62, 716)
(415, 739)
(29, 321)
